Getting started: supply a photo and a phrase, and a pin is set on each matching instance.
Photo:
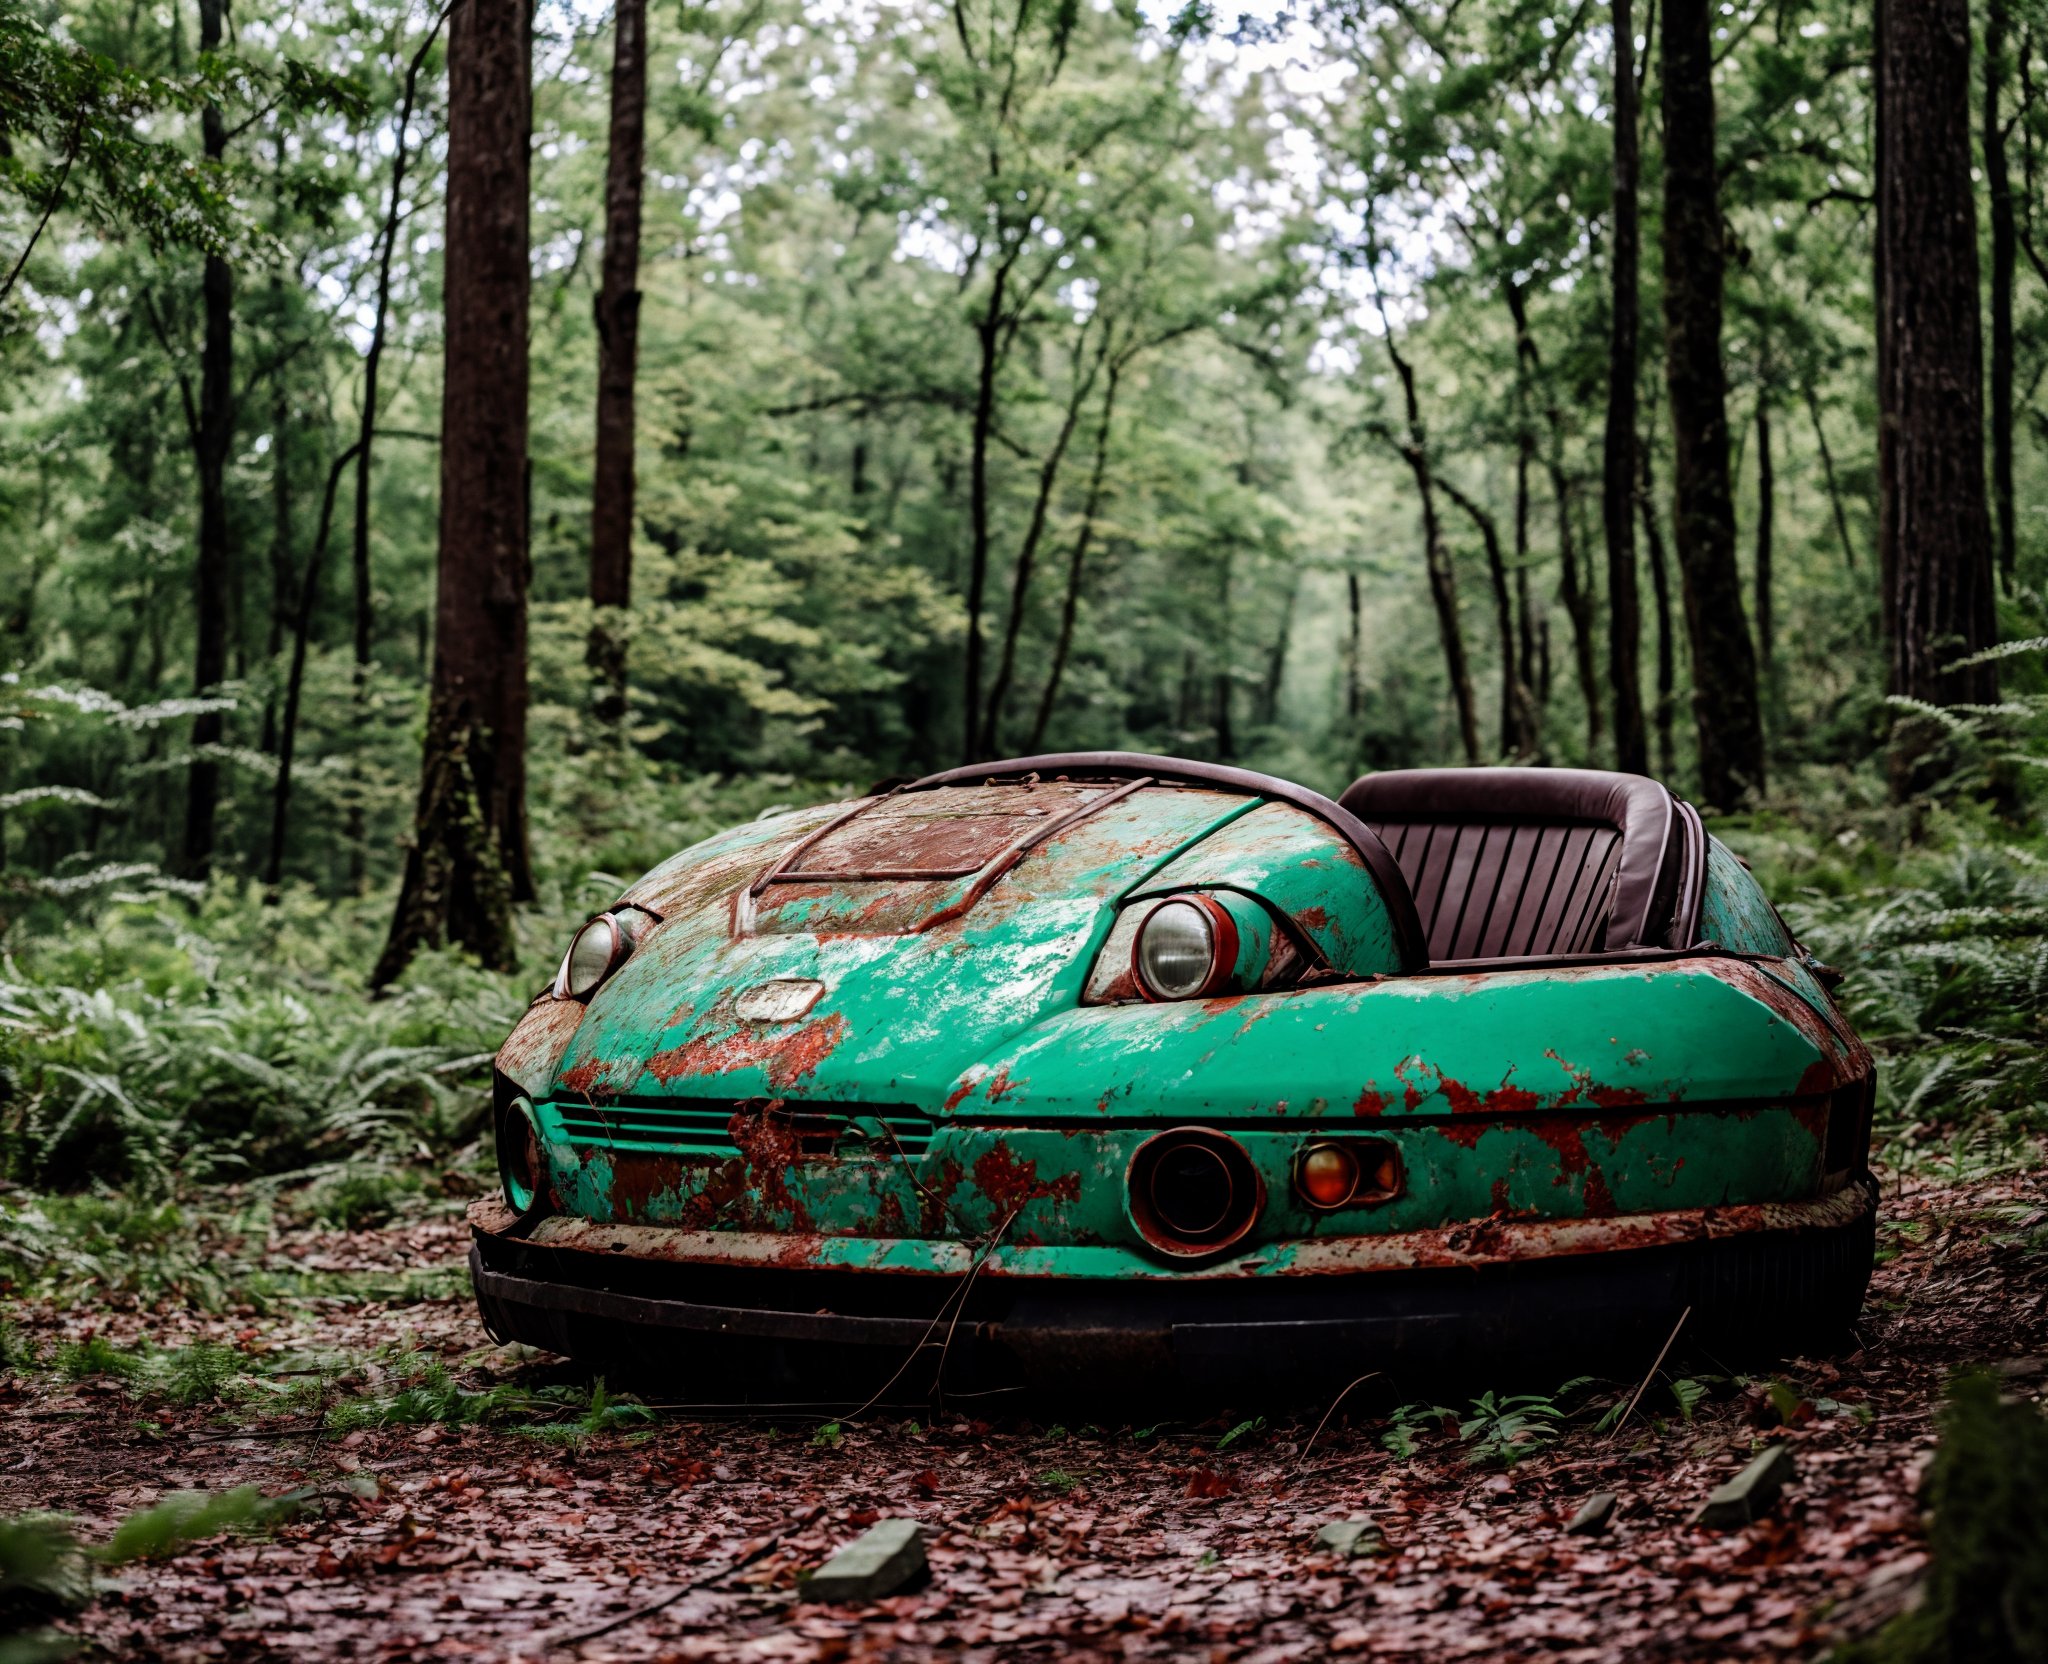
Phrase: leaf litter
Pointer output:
(560, 1520)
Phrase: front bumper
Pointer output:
(1494, 1301)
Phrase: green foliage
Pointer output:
(96, 1357)
(183, 1518)
(43, 1573)
(1244, 1429)
(199, 1374)
(1986, 1595)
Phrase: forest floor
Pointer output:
(437, 1537)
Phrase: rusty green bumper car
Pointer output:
(1090, 1069)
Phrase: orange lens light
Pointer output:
(1328, 1176)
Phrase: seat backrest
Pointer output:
(1510, 863)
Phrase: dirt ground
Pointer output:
(486, 1543)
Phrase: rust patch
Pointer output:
(1509, 1100)
(1313, 918)
(1617, 1097)
(1370, 1102)
(935, 1197)
(1000, 1086)
(1010, 1184)
(786, 1058)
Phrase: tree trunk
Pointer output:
(1354, 642)
(1618, 462)
(1577, 598)
(1034, 534)
(1660, 588)
(1070, 607)
(1827, 463)
(2003, 249)
(1443, 581)
(282, 605)
(1725, 708)
(1766, 509)
(1515, 712)
(366, 431)
(295, 681)
(617, 307)
(1934, 525)
(214, 438)
(988, 332)
(468, 862)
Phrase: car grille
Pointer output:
(706, 1128)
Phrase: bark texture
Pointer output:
(2004, 250)
(1934, 524)
(617, 308)
(1726, 713)
(468, 862)
(212, 441)
(1618, 460)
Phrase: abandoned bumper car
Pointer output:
(1111, 1068)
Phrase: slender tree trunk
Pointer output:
(1572, 591)
(2004, 238)
(1618, 462)
(617, 307)
(1226, 729)
(1934, 522)
(366, 430)
(1354, 643)
(1077, 560)
(1443, 581)
(1034, 534)
(1766, 511)
(1514, 695)
(988, 331)
(215, 437)
(1660, 589)
(281, 602)
(1725, 706)
(1525, 612)
(302, 632)
(468, 863)
(1827, 463)
(1276, 658)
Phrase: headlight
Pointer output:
(592, 956)
(1187, 947)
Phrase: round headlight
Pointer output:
(591, 957)
(1185, 947)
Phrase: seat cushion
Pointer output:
(1510, 863)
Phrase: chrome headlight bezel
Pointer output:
(1208, 940)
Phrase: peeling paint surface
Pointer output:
(948, 1079)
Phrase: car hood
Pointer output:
(881, 967)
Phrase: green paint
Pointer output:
(990, 1092)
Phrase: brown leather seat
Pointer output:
(1511, 863)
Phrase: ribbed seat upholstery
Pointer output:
(1511, 863)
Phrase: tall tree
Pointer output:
(2004, 241)
(468, 862)
(213, 436)
(617, 308)
(1618, 459)
(1726, 713)
(1412, 442)
(1934, 525)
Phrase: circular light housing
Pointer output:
(591, 957)
(1194, 1193)
(519, 1157)
(1187, 947)
(1326, 1175)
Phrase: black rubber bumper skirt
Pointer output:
(724, 1335)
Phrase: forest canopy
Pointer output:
(1329, 388)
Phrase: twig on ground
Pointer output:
(1302, 1460)
(576, 1637)
(1654, 1367)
